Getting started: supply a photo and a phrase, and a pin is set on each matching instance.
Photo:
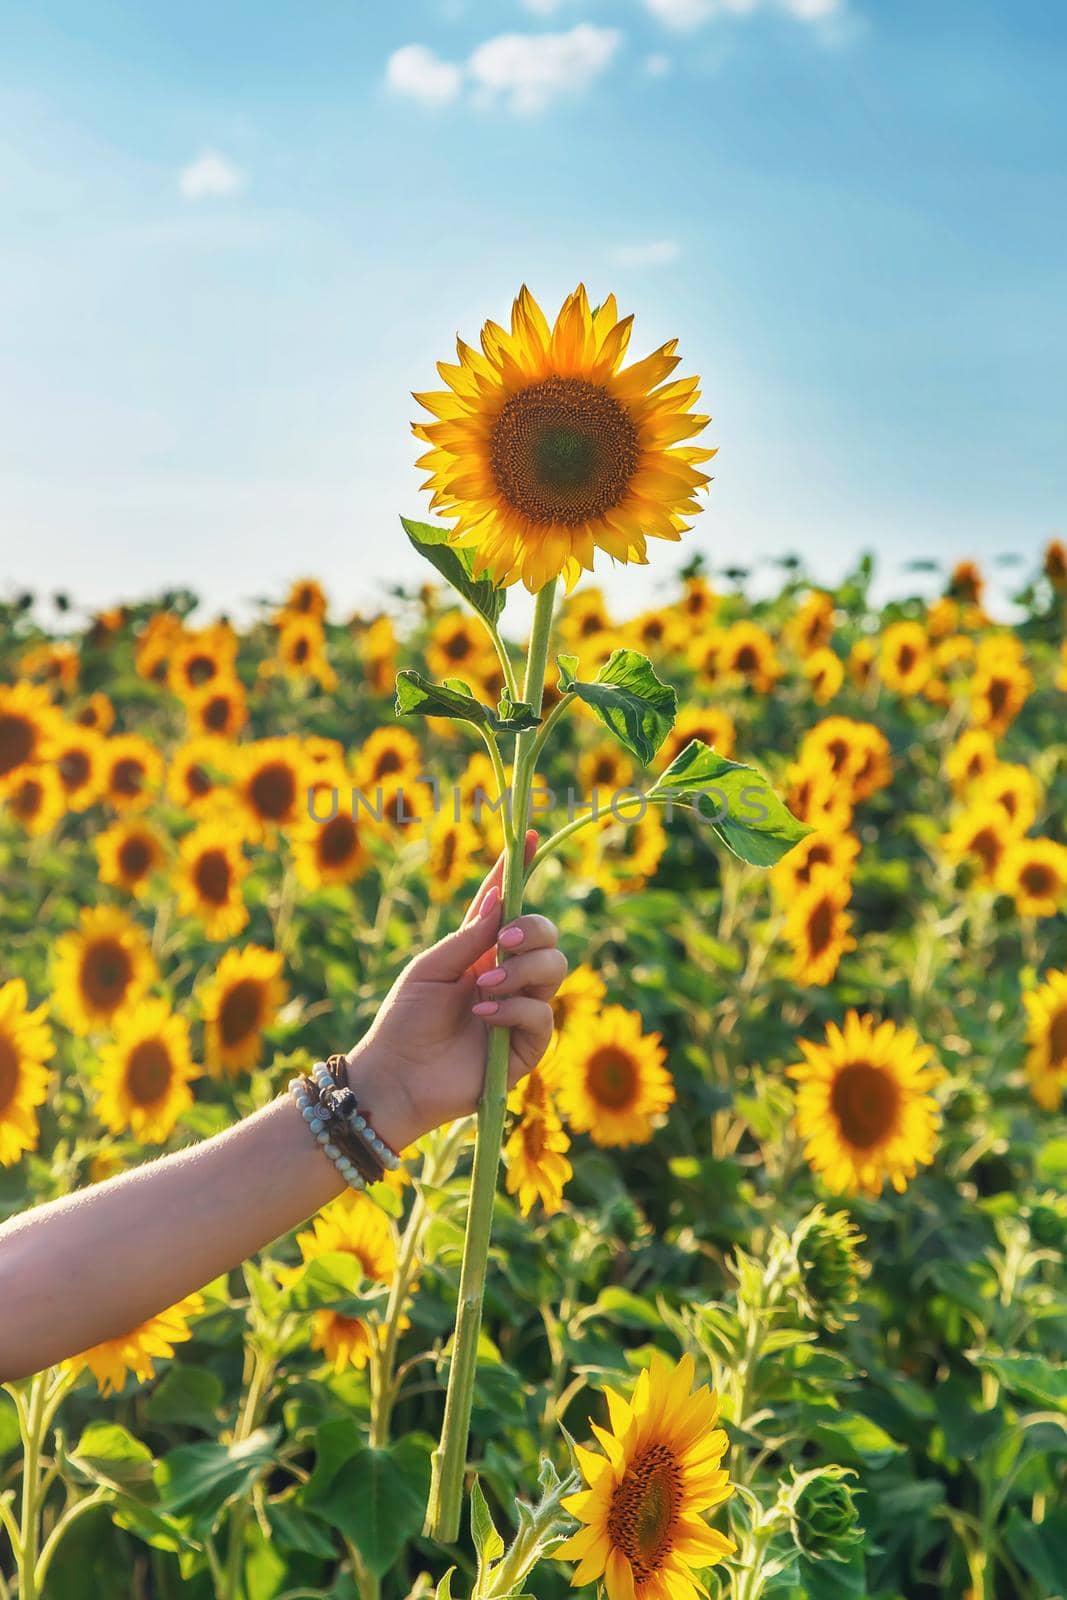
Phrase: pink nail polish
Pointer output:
(490, 903)
(489, 980)
(485, 1008)
(511, 937)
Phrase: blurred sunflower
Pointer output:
(942, 617)
(619, 856)
(699, 602)
(544, 450)
(535, 1151)
(795, 871)
(333, 851)
(77, 755)
(241, 999)
(302, 651)
(861, 660)
(155, 645)
(199, 774)
(351, 1225)
(53, 663)
(202, 659)
(966, 583)
(710, 725)
(456, 849)
(220, 711)
(140, 1349)
(1013, 787)
(96, 713)
(610, 1079)
(28, 721)
(37, 800)
(457, 645)
(272, 778)
(377, 652)
(825, 673)
(387, 768)
(585, 626)
(25, 1045)
(128, 853)
(643, 1532)
(973, 756)
(132, 769)
(817, 926)
(659, 632)
(745, 650)
(811, 626)
(864, 1105)
(981, 836)
(99, 967)
(306, 598)
(1046, 1035)
(1001, 684)
(1034, 873)
(855, 754)
(212, 867)
(904, 658)
(813, 793)
(1054, 565)
(142, 1083)
(604, 767)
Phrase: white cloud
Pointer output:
(209, 177)
(658, 65)
(682, 14)
(686, 14)
(812, 10)
(416, 71)
(529, 70)
(655, 254)
(542, 8)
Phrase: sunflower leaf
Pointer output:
(457, 568)
(487, 1541)
(737, 800)
(628, 698)
(417, 696)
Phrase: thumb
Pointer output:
(451, 956)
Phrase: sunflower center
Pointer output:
(458, 647)
(604, 771)
(644, 1508)
(301, 651)
(73, 769)
(213, 877)
(906, 659)
(16, 743)
(533, 1138)
(127, 776)
(216, 713)
(821, 926)
(563, 451)
(148, 1072)
(135, 857)
(611, 1078)
(819, 855)
(240, 1012)
(988, 847)
(200, 669)
(1038, 879)
(338, 841)
(998, 693)
(1057, 1041)
(388, 763)
(273, 791)
(448, 854)
(864, 1101)
(105, 974)
(839, 751)
(746, 659)
(198, 782)
(9, 1072)
(27, 799)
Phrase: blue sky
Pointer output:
(233, 238)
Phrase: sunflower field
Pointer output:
(783, 1222)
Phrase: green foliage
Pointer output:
(628, 699)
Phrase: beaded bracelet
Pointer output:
(310, 1111)
(329, 1107)
(339, 1097)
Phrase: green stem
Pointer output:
(450, 1458)
(262, 1372)
(31, 1458)
(544, 733)
(554, 840)
(89, 1502)
(505, 661)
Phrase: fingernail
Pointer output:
(485, 1008)
(511, 937)
(489, 980)
(490, 903)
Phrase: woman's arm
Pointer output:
(93, 1265)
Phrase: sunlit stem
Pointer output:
(449, 1459)
(555, 840)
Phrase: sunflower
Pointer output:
(1061, 676)
(140, 1349)
(332, 851)
(586, 627)
(27, 722)
(544, 450)
(813, 793)
(37, 799)
(1054, 565)
(377, 651)
(143, 1079)
(1001, 683)
(795, 871)
(202, 659)
(973, 756)
(387, 768)
(238, 1003)
(711, 726)
(128, 853)
(351, 1225)
(942, 617)
(856, 754)
(54, 664)
(699, 602)
(199, 773)
(536, 1148)
(1034, 873)
(861, 660)
(25, 1045)
(155, 645)
(101, 966)
(77, 755)
(1015, 788)
(825, 672)
(745, 650)
(132, 771)
(864, 1106)
(457, 646)
(904, 658)
(1046, 1034)
(643, 1532)
(606, 768)
(211, 870)
(302, 651)
(966, 583)
(306, 598)
(980, 836)
(455, 849)
(623, 855)
(657, 633)
(272, 783)
(220, 711)
(97, 713)
(812, 624)
(817, 926)
(611, 1081)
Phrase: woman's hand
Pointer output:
(423, 1062)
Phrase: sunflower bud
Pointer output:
(1047, 1218)
(822, 1513)
(829, 1266)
